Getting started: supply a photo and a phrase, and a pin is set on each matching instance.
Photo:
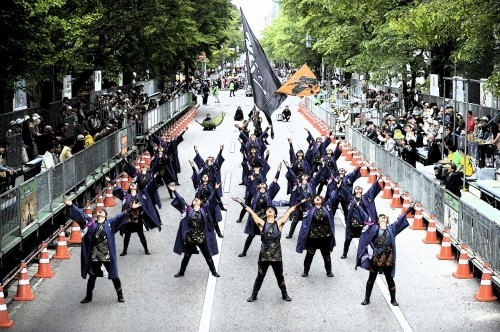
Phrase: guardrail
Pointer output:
(466, 223)
(26, 207)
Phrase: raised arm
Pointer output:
(259, 221)
(77, 215)
(200, 163)
(284, 218)
(178, 201)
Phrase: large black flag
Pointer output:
(261, 76)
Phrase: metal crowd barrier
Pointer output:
(26, 207)
(467, 224)
(164, 113)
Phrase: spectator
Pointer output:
(470, 123)
(27, 132)
(44, 139)
(13, 129)
(7, 174)
(50, 158)
(485, 133)
(66, 152)
(61, 132)
(459, 125)
(448, 116)
(454, 180)
(65, 107)
(37, 119)
(89, 140)
(388, 140)
(371, 132)
(79, 144)
(393, 125)
(286, 114)
(433, 150)
(409, 153)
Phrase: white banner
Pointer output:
(458, 88)
(120, 78)
(486, 97)
(67, 90)
(434, 85)
(20, 97)
(97, 80)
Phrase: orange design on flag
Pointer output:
(302, 83)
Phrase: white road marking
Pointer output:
(206, 312)
(227, 182)
(289, 128)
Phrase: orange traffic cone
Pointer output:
(485, 290)
(463, 270)
(364, 171)
(76, 234)
(373, 175)
(387, 193)
(142, 163)
(348, 157)
(446, 253)
(431, 235)
(118, 182)
(5, 320)
(343, 147)
(99, 205)
(406, 204)
(355, 158)
(109, 200)
(62, 247)
(418, 220)
(44, 269)
(124, 183)
(396, 199)
(24, 291)
(147, 158)
(87, 210)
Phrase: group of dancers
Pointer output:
(307, 174)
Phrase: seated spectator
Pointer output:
(371, 132)
(459, 125)
(238, 115)
(454, 180)
(388, 141)
(286, 114)
(79, 144)
(66, 151)
(433, 151)
(409, 153)
(7, 174)
(418, 137)
(51, 158)
(89, 140)
(466, 164)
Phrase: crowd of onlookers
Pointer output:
(437, 130)
(79, 126)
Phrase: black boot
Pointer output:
(126, 241)
(346, 249)
(242, 214)
(307, 264)
(292, 228)
(393, 297)
(248, 241)
(368, 292)
(256, 288)
(284, 294)
(184, 264)
(328, 268)
(90, 288)
(118, 287)
(211, 265)
(217, 230)
(145, 245)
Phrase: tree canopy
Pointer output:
(43, 40)
(397, 38)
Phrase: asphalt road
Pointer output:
(430, 298)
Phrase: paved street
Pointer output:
(430, 298)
